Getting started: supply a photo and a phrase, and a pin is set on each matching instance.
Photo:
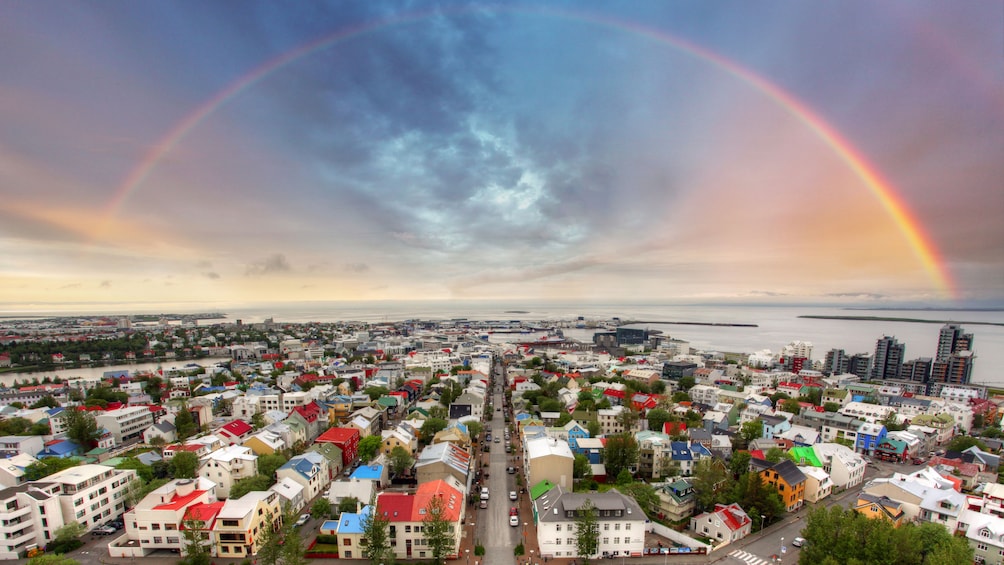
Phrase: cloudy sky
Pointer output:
(235, 152)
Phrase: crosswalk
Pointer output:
(748, 558)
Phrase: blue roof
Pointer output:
(370, 472)
(681, 451)
(522, 416)
(304, 464)
(61, 449)
(350, 522)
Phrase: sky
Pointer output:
(235, 152)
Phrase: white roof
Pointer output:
(230, 453)
(241, 507)
(541, 447)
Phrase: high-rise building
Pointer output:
(860, 364)
(836, 362)
(952, 339)
(957, 369)
(889, 355)
(916, 370)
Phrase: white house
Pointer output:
(227, 465)
(620, 520)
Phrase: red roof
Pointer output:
(237, 428)
(337, 435)
(205, 513)
(179, 502)
(310, 412)
(733, 520)
(411, 507)
(673, 428)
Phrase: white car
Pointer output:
(484, 493)
(798, 542)
(513, 520)
(304, 518)
(512, 495)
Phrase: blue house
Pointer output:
(774, 426)
(60, 449)
(869, 436)
(575, 432)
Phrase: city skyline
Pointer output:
(806, 153)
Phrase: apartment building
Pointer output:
(155, 523)
(610, 420)
(13, 445)
(406, 514)
(550, 459)
(227, 465)
(620, 521)
(30, 514)
(241, 523)
(92, 495)
(126, 424)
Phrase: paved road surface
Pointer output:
(494, 531)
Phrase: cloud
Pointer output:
(203, 265)
(211, 275)
(275, 263)
(357, 267)
(767, 293)
(106, 284)
(868, 295)
(71, 285)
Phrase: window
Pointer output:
(558, 542)
(617, 541)
(155, 527)
(158, 540)
(606, 541)
(407, 529)
(557, 528)
(617, 527)
(627, 526)
(606, 527)
(225, 549)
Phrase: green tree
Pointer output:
(67, 538)
(375, 392)
(750, 431)
(624, 477)
(711, 482)
(593, 427)
(81, 427)
(184, 423)
(791, 406)
(474, 429)
(143, 471)
(271, 541)
(587, 531)
(680, 396)
(776, 454)
(244, 486)
(437, 527)
(185, 465)
(686, 383)
(368, 448)
(740, 463)
(348, 504)
(321, 508)
(831, 406)
(621, 452)
(657, 417)
(962, 443)
(431, 427)
(268, 464)
(257, 421)
(400, 461)
(644, 495)
(375, 530)
(48, 466)
(46, 401)
(581, 468)
(196, 538)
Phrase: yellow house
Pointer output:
(402, 436)
(242, 523)
(265, 442)
(880, 508)
(789, 481)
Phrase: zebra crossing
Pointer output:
(748, 558)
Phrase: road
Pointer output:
(493, 529)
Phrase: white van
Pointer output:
(484, 493)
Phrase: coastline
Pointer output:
(896, 319)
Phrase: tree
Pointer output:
(680, 396)
(46, 401)
(184, 423)
(271, 541)
(621, 452)
(581, 468)
(593, 427)
(292, 541)
(431, 427)
(374, 527)
(48, 466)
(657, 417)
(81, 427)
(711, 482)
(257, 421)
(563, 419)
(67, 538)
(268, 464)
(348, 504)
(321, 508)
(686, 383)
(750, 431)
(474, 429)
(740, 463)
(776, 454)
(962, 443)
(400, 461)
(437, 526)
(143, 471)
(185, 465)
(831, 406)
(375, 392)
(791, 406)
(368, 448)
(196, 542)
(587, 531)
(624, 477)
(643, 494)
(755, 496)
(244, 486)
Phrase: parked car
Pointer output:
(512, 495)
(483, 504)
(104, 531)
(484, 493)
(513, 520)
(798, 542)
(514, 511)
(511, 470)
(304, 518)
(497, 440)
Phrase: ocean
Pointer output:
(777, 325)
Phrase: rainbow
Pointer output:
(886, 194)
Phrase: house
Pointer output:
(985, 534)
(241, 523)
(346, 439)
(351, 533)
(32, 513)
(126, 424)
(235, 432)
(312, 416)
(403, 436)
(726, 524)
(227, 465)
(357, 489)
(163, 430)
(198, 449)
(879, 508)
(310, 470)
(266, 442)
(441, 460)
(789, 481)
(846, 468)
(687, 454)
(13, 445)
(676, 500)
(12, 469)
(774, 426)
(406, 514)
(290, 493)
(548, 458)
(61, 448)
(156, 521)
(454, 433)
(379, 474)
(333, 454)
(817, 483)
(467, 404)
(869, 436)
(592, 448)
(620, 521)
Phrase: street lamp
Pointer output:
(468, 552)
(761, 524)
(782, 549)
(531, 556)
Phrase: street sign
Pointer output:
(784, 549)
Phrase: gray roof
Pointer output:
(553, 505)
(789, 472)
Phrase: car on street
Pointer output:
(511, 470)
(304, 518)
(484, 493)
(514, 511)
(798, 542)
(497, 440)
(104, 531)
(512, 495)
(514, 520)
(488, 437)
(483, 504)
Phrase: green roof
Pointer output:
(96, 451)
(113, 462)
(540, 488)
(805, 456)
(387, 401)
